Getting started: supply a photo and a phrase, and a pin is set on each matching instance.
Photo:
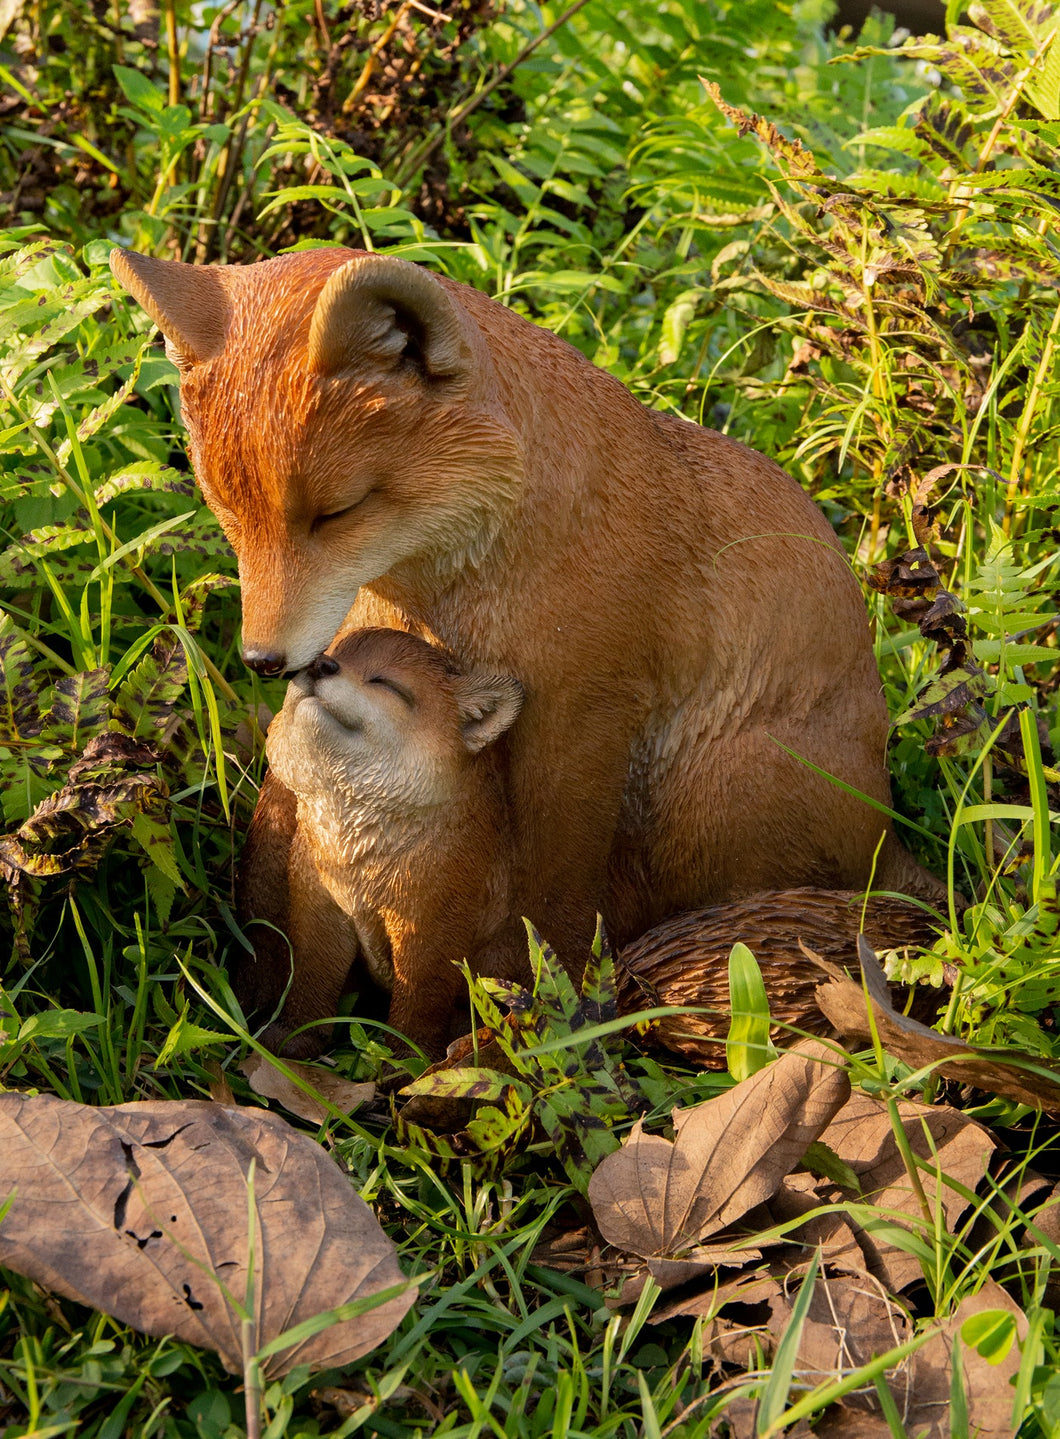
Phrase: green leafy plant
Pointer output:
(560, 1072)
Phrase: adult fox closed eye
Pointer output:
(678, 611)
(399, 855)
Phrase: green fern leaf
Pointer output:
(1014, 652)
(163, 892)
(152, 834)
(45, 320)
(97, 418)
(945, 128)
(1034, 181)
(20, 707)
(194, 596)
(1020, 25)
(144, 475)
(898, 139)
(20, 562)
(201, 536)
(79, 710)
(1043, 87)
(146, 698)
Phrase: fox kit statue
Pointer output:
(399, 855)
(682, 618)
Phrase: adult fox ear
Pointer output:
(380, 309)
(489, 705)
(187, 302)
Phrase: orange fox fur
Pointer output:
(682, 618)
(399, 856)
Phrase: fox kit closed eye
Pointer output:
(399, 855)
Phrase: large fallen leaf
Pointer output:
(141, 1211)
(319, 1092)
(657, 1198)
(1022, 1077)
(954, 1152)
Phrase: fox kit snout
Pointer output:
(402, 820)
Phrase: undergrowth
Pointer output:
(851, 266)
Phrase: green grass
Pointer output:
(595, 186)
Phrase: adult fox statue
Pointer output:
(681, 617)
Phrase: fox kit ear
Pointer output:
(488, 705)
(381, 309)
(187, 303)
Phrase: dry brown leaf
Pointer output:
(741, 1417)
(947, 1142)
(655, 1198)
(268, 1080)
(996, 1071)
(1043, 1230)
(850, 1321)
(758, 1287)
(141, 1211)
(842, 1422)
(700, 1262)
(829, 1232)
(987, 1387)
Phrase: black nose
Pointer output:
(264, 663)
(323, 665)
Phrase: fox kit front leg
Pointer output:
(324, 951)
(427, 986)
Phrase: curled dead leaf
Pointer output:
(141, 1211)
(851, 1320)
(292, 1089)
(656, 1198)
(988, 1387)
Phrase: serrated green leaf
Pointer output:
(991, 652)
(825, 1163)
(163, 892)
(153, 836)
(138, 89)
(675, 322)
(186, 1037)
(57, 1024)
